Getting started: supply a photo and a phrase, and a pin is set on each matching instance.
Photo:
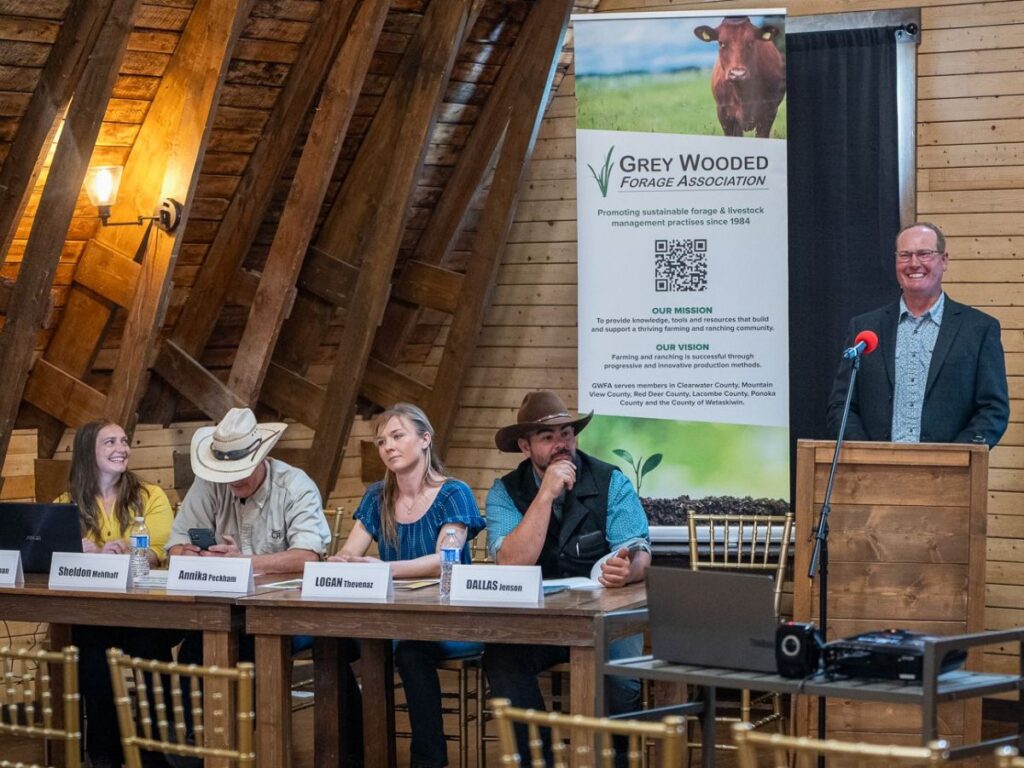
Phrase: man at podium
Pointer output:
(939, 375)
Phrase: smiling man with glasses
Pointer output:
(939, 375)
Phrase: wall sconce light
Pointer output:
(101, 185)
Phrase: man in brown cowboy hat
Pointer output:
(257, 506)
(574, 516)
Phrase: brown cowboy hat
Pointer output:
(540, 410)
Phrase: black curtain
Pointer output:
(843, 201)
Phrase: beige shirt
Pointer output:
(284, 513)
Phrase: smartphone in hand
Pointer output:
(202, 537)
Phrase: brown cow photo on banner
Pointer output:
(749, 78)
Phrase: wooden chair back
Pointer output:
(772, 750)
(26, 701)
(591, 737)
(219, 730)
(742, 543)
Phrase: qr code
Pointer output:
(681, 265)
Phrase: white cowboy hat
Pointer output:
(233, 449)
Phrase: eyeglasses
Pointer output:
(923, 256)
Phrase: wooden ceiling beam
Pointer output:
(548, 21)
(77, 338)
(328, 278)
(448, 218)
(189, 377)
(371, 213)
(65, 65)
(63, 396)
(425, 285)
(276, 291)
(111, 274)
(327, 275)
(30, 298)
(165, 163)
(292, 394)
(386, 385)
(249, 204)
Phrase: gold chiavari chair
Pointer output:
(218, 729)
(26, 701)
(773, 750)
(755, 543)
(337, 522)
(1008, 757)
(591, 737)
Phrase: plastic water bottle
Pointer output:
(138, 539)
(451, 553)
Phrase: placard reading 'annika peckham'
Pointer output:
(210, 574)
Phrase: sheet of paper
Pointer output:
(415, 583)
(290, 584)
(573, 582)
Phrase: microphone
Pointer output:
(865, 343)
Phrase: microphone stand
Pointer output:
(819, 557)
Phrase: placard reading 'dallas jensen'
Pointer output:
(497, 584)
(347, 581)
(210, 574)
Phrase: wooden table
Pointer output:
(565, 619)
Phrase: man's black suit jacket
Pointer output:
(965, 397)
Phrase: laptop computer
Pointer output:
(39, 530)
(712, 618)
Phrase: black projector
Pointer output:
(888, 654)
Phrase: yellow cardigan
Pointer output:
(157, 512)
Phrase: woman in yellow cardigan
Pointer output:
(109, 497)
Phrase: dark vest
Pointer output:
(577, 542)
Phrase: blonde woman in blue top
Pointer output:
(409, 515)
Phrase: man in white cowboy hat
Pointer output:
(258, 507)
(565, 511)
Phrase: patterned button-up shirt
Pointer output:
(915, 340)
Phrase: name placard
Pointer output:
(11, 574)
(497, 584)
(77, 570)
(187, 573)
(347, 581)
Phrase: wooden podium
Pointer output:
(906, 550)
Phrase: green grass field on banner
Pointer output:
(674, 102)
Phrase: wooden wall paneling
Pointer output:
(276, 290)
(18, 472)
(253, 194)
(29, 300)
(475, 160)
(62, 73)
(175, 132)
(527, 112)
(372, 209)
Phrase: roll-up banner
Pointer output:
(683, 289)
